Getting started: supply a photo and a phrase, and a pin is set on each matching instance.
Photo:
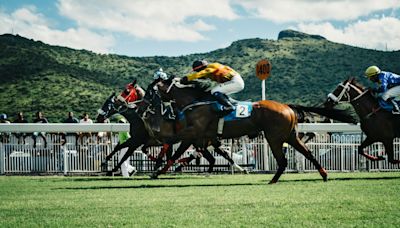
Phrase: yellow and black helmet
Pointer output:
(372, 71)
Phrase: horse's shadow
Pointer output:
(166, 185)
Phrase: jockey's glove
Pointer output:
(184, 80)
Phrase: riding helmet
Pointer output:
(160, 74)
(199, 65)
(372, 71)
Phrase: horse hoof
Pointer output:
(154, 176)
(323, 174)
(272, 182)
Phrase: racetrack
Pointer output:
(298, 200)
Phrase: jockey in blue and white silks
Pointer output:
(388, 85)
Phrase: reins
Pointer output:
(345, 91)
(176, 82)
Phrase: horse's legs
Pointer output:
(225, 155)
(146, 152)
(298, 144)
(109, 156)
(119, 147)
(276, 148)
(389, 151)
(184, 162)
(211, 160)
(181, 149)
(164, 150)
(361, 151)
(169, 152)
(128, 153)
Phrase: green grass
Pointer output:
(298, 200)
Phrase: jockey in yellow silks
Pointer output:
(229, 81)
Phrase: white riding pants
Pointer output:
(233, 86)
(392, 92)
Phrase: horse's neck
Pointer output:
(131, 115)
(185, 97)
(364, 104)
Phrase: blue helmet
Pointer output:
(160, 74)
(3, 116)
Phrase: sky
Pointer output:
(181, 27)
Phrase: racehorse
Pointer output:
(142, 134)
(378, 124)
(276, 120)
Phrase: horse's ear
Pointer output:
(112, 95)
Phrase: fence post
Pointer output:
(2, 159)
(265, 153)
(232, 168)
(65, 154)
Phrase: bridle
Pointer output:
(111, 106)
(345, 93)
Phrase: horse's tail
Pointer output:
(331, 113)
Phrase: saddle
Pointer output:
(387, 105)
(242, 110)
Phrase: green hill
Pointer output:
(35, 76)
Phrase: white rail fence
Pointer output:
(63, 152)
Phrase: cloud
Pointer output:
(377, 33)
(314, 10)
(29, 23)
(157, 20)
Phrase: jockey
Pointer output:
(167, 111)
(229, 81)
(132, 93)
(160, 74)
(388, 85)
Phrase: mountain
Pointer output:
(38, 77)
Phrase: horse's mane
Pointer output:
(354, 81)
(199, 86)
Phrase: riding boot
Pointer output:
(396, 109)
(224, 100)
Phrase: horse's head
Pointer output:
(346, 91)
(151, 101)
(111, 106)
(166, 88)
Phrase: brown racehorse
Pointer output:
(276, 120)
(142, 134)
(378, 124)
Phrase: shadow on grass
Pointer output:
(162, 186)
(344, 179)
(166, 185)
(133, 178)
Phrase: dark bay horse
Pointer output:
(378, 124)
(142, 134)
(276, 120)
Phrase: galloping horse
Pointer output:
(141, 134)
(378, 124)
(277, 121)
